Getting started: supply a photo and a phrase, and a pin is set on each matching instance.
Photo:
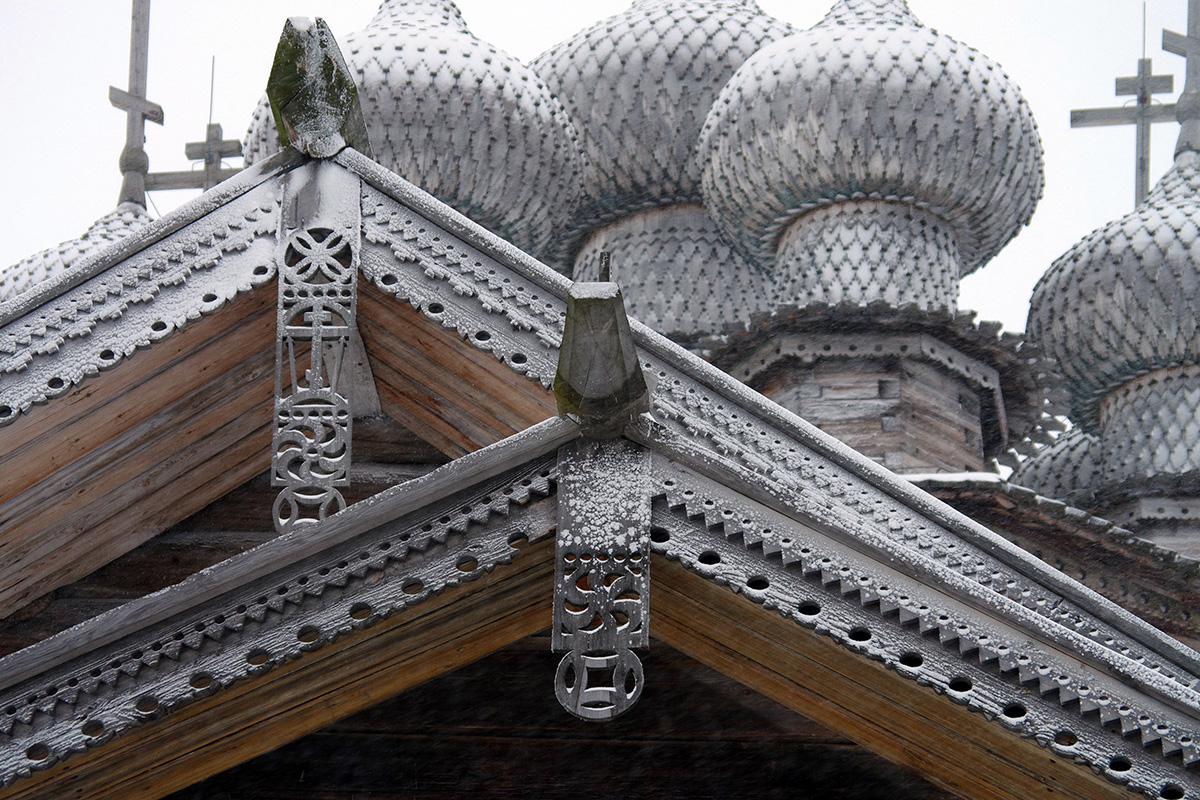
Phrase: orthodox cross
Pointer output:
(1189, 102)
(210, 151)
(1142, 115)
(134, 162)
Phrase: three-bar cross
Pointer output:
(1142, 114)
(211, 151)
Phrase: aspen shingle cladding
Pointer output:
(48, 264)
(1123, 301)
(466, 122)
(637, 85)
(870, 104)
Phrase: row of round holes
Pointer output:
(759, 583)
(913, 660)
(56, 383)
(997, 578)
(148, 704)
(307, 634)
(465, 564)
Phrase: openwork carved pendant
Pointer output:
(317, 285)
(601, 576)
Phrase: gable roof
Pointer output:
(856, 597)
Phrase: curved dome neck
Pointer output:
(866, 252)
(1181, 183)
(425, 14)
(870, 13)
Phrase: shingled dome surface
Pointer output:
(466, 122)
(637, 86)
(1070, 469)
(48, 264)
(1124, 300)
(870, 104)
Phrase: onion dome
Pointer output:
(637, 86)
(927, 136)
(677, 273)
(113, 226)
(1068, 470)
(1125, 300)
(466, 122)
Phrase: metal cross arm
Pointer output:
(1179, 44)
(213, 146)
(133, 104)
(1142, 114)
(1130, 115)
(211, 151)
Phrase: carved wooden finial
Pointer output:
(599, 379)
(313, 95)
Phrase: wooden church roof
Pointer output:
(138, 387)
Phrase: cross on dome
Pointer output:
(1142, 115)
(134, 162)
(211, 151)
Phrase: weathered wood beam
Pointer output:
(236, 724)
(132, 451)
(860, 698)
(451, 394)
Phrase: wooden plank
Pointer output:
(459, 626)
(494, 728)
(99, 484)
(432, 386)
(144, 515)
(400, 400)
(110, 403)
(860, 698)
(127, 489)
(404, 321)
(461, 398)
(427, 369)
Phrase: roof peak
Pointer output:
(419, 14)
(870, 12)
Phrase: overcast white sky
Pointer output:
(61, 138)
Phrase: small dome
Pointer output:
(637, 86)
(870, 104)
(1125, 300)
(466, 122)
(113, 226)
(677, 273)
(1071, 469)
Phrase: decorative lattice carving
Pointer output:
(317, 284)
(134, 295)
(601, 576)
